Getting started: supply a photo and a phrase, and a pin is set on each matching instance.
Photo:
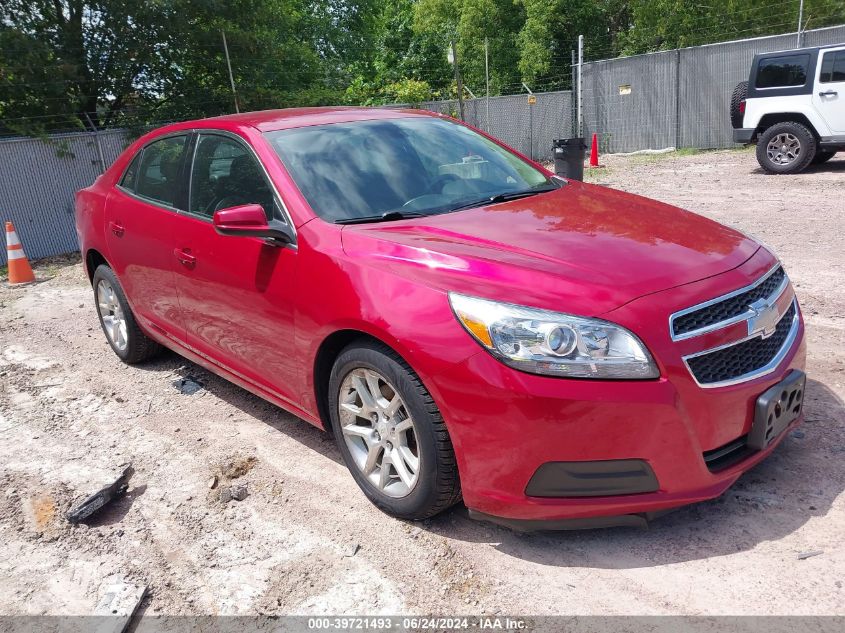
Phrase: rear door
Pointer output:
(141, 215)
(829, 96)
(237, 293)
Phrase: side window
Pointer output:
(129, 176)
(782, 72)
(225, 174)
(833, 67)
(158, 172)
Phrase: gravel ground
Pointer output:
(305, 541)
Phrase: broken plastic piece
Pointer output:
(104, 496)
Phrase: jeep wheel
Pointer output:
(822, 157)
(739, 95)
(786, 148)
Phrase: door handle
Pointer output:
(184, 256)
(828, 93)
(116, 228)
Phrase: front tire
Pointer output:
(122, 332)
(786, 148)
(391, 434)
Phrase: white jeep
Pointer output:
(792, 107)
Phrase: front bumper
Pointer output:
(743, 135)
(506, 424)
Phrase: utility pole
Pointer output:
(229, 66)
(580, 66)
(97, 143)
(800, 19)
(458, 82)
(487, 80)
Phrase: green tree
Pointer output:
(96, 53)
(667, 24)
(551, 31)
(469, 22)
(119, 62)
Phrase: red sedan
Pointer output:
(465, 323)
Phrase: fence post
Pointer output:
(572, 124)
(677, 99)
(580, 66)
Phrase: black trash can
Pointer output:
(569, 157)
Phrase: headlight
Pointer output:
(552, 343)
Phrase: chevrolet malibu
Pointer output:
(466, 324)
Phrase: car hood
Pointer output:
(583, 249)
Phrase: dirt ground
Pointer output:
(305, 540)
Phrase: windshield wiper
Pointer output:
(504, 197)
(387, 216)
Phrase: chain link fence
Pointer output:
(528, 128)
(40, 177)
(677, 98)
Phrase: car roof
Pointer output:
(272, 120)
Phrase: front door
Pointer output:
(141, 217)
(236, 293)
(829, 96)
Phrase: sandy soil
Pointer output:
(305, 541)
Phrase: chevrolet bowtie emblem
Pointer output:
(764, 319)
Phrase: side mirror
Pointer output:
(249, 220)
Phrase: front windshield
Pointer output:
(413, 165)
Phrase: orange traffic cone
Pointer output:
(20, 272)
(594, 152)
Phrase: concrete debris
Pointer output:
(119, 601)
(351, 550)
(188, 385)
(239, 492)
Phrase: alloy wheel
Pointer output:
(114, 321)
(379, 432)
(783, 148)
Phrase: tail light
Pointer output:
(742, 107)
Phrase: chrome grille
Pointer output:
(727, 309)
(745, 359)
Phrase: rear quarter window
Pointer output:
(783, 71)
(158, 176)
(833, 67)
(128, 180)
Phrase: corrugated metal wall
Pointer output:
(38, 181)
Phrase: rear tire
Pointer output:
(370, 439)
(122, 332)
(739, 95)
(822, 157)
(786, 148)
